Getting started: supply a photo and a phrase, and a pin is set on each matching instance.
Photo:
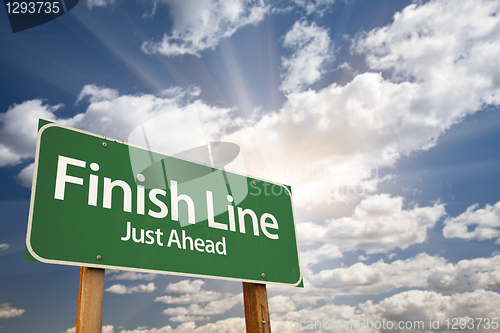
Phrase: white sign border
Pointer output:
(71, 263)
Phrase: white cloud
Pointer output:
(18, 130)
(315, 6)
(97, 94)
(310, 258)
(105, 329)
(230, 325)
(4, 246)
(197, 297)
(185, 287)
(364, 258)
(184, 318)
(99, 3)
(186, 327)
(281, 303)
(438, 65)
(486, 222)
(25, 177)
(283, 323)
(378, 277)
(448, 50)
(117, 115)
(311, 49)
(435, 64)
(179, 93)
(108, 114)
(466, 275)
(412, 306)
(121, 289)
(192, 295)
(200, 25)
(6, 311)
(440, 42)
(216, 307)
(422, 271)
(132, 276)
(378, 224)
(416, 305)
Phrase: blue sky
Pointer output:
(381, 115)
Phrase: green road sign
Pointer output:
(89, 208)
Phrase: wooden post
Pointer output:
(90, 296)
(256, 308)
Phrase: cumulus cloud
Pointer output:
(185, 287)
(378, 224)
(441, 42)
(4, 246)
(311, 49)
(230, 325)
(486, 223)
(466, 275)
(99, 3)
(310, 258)
(25, 177)
(108, 113)
(184, 318)
(445, 49)
(216, 307)
(97, 94)
(116, 115)
(409, 306)
(315, 6)
(430, 68)
(18, 130)
(121, 289)
(283, 323)
(132, 276)
(281, 303)
(435, 64)
(108, 329)
(417, 305)
(422, 271)
(200, 25)
(193, 294)
(199, 297)
(6, 311)
(378, 277)
(105, 329)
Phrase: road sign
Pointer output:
(88, 208)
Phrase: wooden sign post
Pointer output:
(91, 293)
(90, 299)
(256, 308)
(57, 196)
(68, 186)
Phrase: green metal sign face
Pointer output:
(89, 208)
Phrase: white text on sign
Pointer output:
(62, 179)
